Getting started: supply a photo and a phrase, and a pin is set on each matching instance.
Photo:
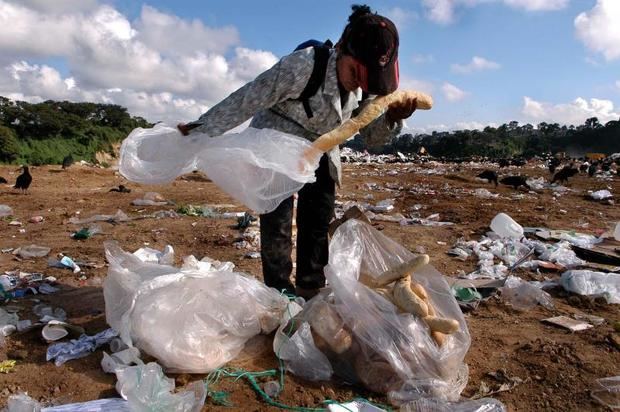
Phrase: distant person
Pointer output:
(363, 63)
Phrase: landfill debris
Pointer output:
(65, 262)
(568, 323)
(601, 195)
(595, 320)
(116, 218)
(589, 283)
(233, 307)
(505, 226)
(466, 405)
(150, 199)
(78, 348)
(7, 366)
(485, 194)
(47, 313)
(607, 392)
(355, 406)
(146, 388)
(120, 189)
(522, 295)
(86, 232)
(8, 322)
(252, 255)
(5, 211)
(507, 383)
(55, 330)
(122, 359)
(24, 403)
(36, 219)
(31, 251)
(378, 335)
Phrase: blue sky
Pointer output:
(484, 61)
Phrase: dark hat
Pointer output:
(373, 40)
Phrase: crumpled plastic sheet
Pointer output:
(589, 283)
(607, 392)
(436, 405)
(222, 309)
(412, 365)
(5, 210)
(147, 389)
(258, 167)
(118, 217)
(24, 403)
(522, 295)
(601, 195)
(78, 348)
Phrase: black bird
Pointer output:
(564, 174)
(515, 181)
(3, 180)
(489, 175)
(67, 161)
(23, 181)
(583, 168)
(592, 169)
(120, 189)
(503, 162)
(553, 164)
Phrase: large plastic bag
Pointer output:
(192, 319)
(258, 167)
(374, 343)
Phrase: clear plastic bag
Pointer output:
(524, 296)
(5, 210)
(192, 319)
(587, 282)
(365, 337)
(435, 405)
(258, 167)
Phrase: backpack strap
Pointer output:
(321, 57)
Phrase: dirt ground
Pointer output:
(557, 368)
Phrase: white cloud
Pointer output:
(452, 93)
(423, 58)
(401, 18)
(444, 11)
(573, 113)
(477, 64)
(57, 6)
(407, 83)
(537, 5)
(159, 61)
(599, 28)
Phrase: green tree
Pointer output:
(9, 148)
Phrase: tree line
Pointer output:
(508, 140)
(47, 132)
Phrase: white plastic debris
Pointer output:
(31, 251)
(78, 348)
(147, 389)
(150, 199)
(505, 226)
(24, 403)
(118, 217)
(5, 211)
(607, 392)
(589, 283)
(221, 309)
(257, 167)
(485, 194)
(116, 361)
(523, 296)
(466, 405)
(601, 195)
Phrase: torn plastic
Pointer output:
(119, 360)
(31, 251)
(437, 405)
(258, 167)
(221, 309)
(147, 389)
(118, 217)
(5, 211)
(607, 392)
(522, 295)
(601, 195)
(589, 283)
(78, 348)
(150, 199)
(365, 337)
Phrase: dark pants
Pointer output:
(315, 209)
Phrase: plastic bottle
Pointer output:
(505, 226)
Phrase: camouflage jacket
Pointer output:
(271, 100)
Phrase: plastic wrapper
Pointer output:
(522, 295)
(435, 405)
(589, 283)
(5, 211)
(32, 251)
(365, 337)
(147, 389)
(192, 319)
(258, 167)
(118, 217)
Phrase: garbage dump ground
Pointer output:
(430, 207)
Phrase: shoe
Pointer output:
(307, 294)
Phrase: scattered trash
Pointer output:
(64, 263)
(589, 283)
(78, 348)
(5, 211)
(485, 194)
(56, 330)
(7, 366)
(522, 295)
(272, 388)
(86, 232)
(116, 218)
(127, 357)
(607, 392)
(46, 313)
(36, 219)
(568, 323)
(150, 199)
(233, 308)
(383, 206)
(595, 320)
(252, 255)
(24, 403)
(507, 383)
(355, 406)
(120, 189)
(505, 226)
(437, 405)
(31, 251)
(601, 195)
(245, 221)
(15, 223)
(617, 232)
(146, 388)
(8, 322)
